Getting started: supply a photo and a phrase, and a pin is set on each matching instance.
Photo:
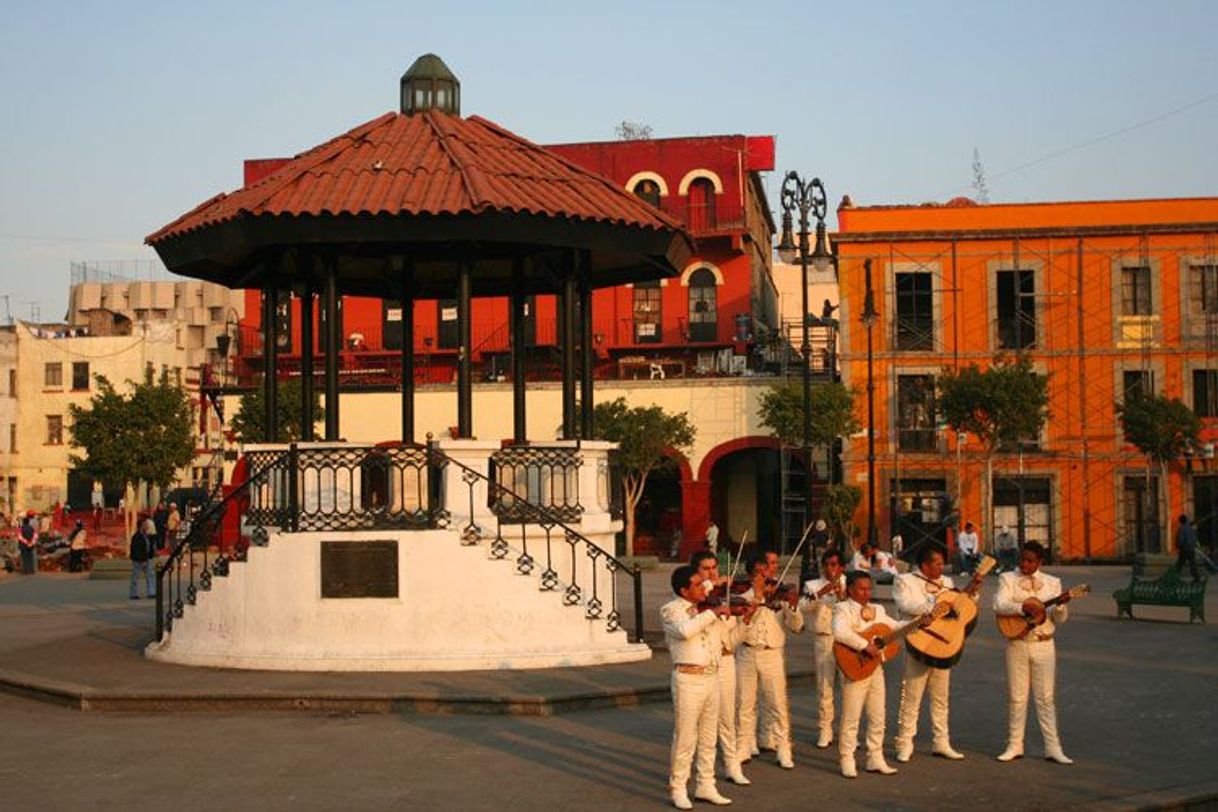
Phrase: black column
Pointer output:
(408, 353)
(585, 344)
(332, 347)
(307, 417)
(270, 365)
(516, 325)
(465, 387)
(567, 303)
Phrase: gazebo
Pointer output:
(415, 204)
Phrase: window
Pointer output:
(1024, 504)
(1205, 392)
(1137, 383)
(915, 324)
(647, 313)
(54, 429)
(916, 413)
(701, 205)
(80, 375)
(1135, 291)
(54, 375)
(12, 437)
(12, 383)
(1016, 310)
(703, 309)
(448, 329)
(648, 191)
(1140, 509)
(1204, 288)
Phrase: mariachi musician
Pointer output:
(915, 593)
(819, 597)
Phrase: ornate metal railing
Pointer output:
(402, 487)
(544, 475)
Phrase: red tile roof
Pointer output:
(430, 163)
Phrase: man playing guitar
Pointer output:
(915, 593)
(1032, 660)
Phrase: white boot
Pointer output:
(945, 750)
(849, 770)
(1012, 752)
(710, 794)
(904, 750)
(736, 775)
(877, 764)
(680, 799)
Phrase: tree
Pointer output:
(840, 504)
(1004, 406)
(247, 422)
(980, 188)
(146, 435)
(831, 404)
(1163, 429)
(645, 436)
(632, 131)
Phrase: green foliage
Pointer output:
(832, 408)
(1162, 428)
(643, 433)
(247, 422)
(144, 435)
(1005, 404)
(838, 509)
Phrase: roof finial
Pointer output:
(428, 84)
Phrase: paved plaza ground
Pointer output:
(1136, 701)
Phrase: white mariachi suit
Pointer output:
(821, 611)
(914, 595)
(695, 649)
(1031, 660)
(761, 664)
(850, 618)
(730, 634)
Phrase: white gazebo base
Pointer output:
(457, 608)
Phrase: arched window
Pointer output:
(701, 205)
(648, 191)
(703, 306)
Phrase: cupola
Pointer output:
(429, 85)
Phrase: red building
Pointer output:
(703, 323)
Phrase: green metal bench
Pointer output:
(1169, 589)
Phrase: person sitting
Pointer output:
(874, 561)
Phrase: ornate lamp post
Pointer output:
(869, 318)
(809, 198)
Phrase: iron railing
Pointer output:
(403, 487)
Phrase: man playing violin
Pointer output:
(730, 631)
(1032, 661)
(850, 618)
(819, 597)
(761, 662)
(696, 652)
(915, 594)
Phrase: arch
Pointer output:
(647, 175)
(693, 174)
(731, 446)
(682, 463)
(697, 266)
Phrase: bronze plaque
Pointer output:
(359, 569)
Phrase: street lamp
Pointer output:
(869, 318)
(809, 198)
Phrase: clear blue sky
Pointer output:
(119, 116)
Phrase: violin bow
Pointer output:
(795, 552)
(743, 541)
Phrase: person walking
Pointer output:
(1186, 547)
(27, 540)
(141, 555)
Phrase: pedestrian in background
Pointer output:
(77, 541)
(1186, 547)
(968, 549)
(1006, 544)
(27, 540)
(141, 555)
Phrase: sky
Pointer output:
(120, 116)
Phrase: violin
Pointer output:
(732, 597)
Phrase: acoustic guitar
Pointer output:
(857, 665)
(941, 643)
(1017, 627)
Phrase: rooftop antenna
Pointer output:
(8, 311)
(35, 311)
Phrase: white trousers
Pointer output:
(763, 668)
(826, 671)
(695, 700)
(727, 711)
(1032, 663)
(919, 676)
(856, 696)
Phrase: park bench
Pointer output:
(1169, 589)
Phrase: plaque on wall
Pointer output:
(359, 569)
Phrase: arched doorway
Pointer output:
(746, 490)
(658, 519)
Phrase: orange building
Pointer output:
(1104, 297)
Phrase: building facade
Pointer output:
(1104, 297)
